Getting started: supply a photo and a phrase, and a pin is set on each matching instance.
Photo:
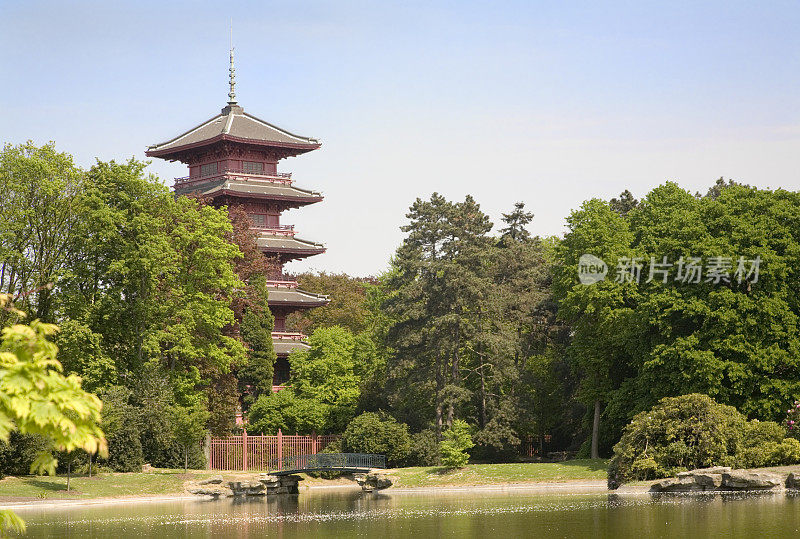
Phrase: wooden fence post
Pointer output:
(244, 450)
(206, 452)
(313, 442)
(280, 450)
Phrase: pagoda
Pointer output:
(233, 161)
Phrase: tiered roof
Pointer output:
(250, 188)
(293, 297)
(235, 125)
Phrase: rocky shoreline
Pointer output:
(724, 479)
(271, 485)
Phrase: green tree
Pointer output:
(122, 426)
(457, 441)
(328, 374)
(599, 315)
(437, 281)
(190, 428)
(256, 328)
(35, 398)
(380, 434)
(735, 340)
(41, 195)
(624, 204)
(516, 223)
(347, 307)
(80, 351)
(286, 411)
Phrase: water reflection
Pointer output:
(350, 513)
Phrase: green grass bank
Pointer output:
(497, 474)
(163, 482)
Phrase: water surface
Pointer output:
(490, 514)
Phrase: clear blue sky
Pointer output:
(549, 103)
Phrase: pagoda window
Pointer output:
(252, 166)
(258, 219)
(208, 169)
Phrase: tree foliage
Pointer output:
(36, 398)
(693, 431)
(457, 440)
(378, 433)
(347, 307)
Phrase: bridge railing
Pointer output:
(325, 461)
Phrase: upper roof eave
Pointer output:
(235, 125)
(153, 151)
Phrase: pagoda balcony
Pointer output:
(284, 282)
(237, 174)
(288, 336)
(278, 230)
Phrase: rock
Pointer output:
(247, 488)
(214, 492)
(379, 481)
(712, 470)
(793, 480)
(680, 484)
(373, 481)
(659, 486)
(708, 481)
(216, 480)
(269, 480)
(742, 480)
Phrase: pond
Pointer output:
(500, 514)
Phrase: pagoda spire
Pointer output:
(232, 70)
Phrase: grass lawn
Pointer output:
(482, 474)
(105, 485)
(162, 481)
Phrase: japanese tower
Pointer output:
(233, 160)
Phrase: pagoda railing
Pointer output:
(274, 177)
(282, 284)
(288, 335)
(279, 230)
(280, 276)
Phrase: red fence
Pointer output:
(262, 453)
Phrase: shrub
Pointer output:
(125, 450)
(286, 411)
(453, 448)
(424, 449)
(788, 451)
(765, 445)
(679, 433)
(693, 431)
(761, 442)
(378, 433)
(122, 425)
(333, 447)
(18, 454)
